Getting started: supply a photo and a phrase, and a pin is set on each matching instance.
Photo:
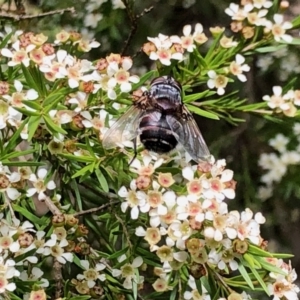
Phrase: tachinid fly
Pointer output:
(161, 120)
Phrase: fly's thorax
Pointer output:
(166, 96)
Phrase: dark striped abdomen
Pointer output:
(156, 134)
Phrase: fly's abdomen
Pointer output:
(156, 135)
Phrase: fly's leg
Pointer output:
(135, 151)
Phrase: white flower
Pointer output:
(118, 4)
(163, 51)
(279, 142)
(39, 185)
(279, 28)
(127, 271)
(237, 67)
(18, 55)
(91, 274)
(277, 100)
(187, 39)
(217, 81)
(265, 192)
(262, 3)
(121, 75)
(92, 19)
(134, 199)
(55, 247)
(237, 13)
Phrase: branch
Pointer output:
(133, 20)
(51, 206)
(57, 267)
(125, 231)
(92, 210)
(23, 17)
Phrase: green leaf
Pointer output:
(282, 255)
(33, 104)
(102, 180)
(28, 215)
(29, 78)
(260, 280)
(197, 96)
(74, 187)
(77, 262)
(33, 124)
(14, 139)
(27, 112)
(253, 107)
(23, 163)
(295, 41)
(143, 79)
(269, 49)
(201, 61)
(12, 296)
(269, 267)
(212, 47)
(80, 298)
(54, 99)
(84, 159)
(202, 112)
(52, 126)
(87, 169)
(24, 255)
(245, 275)
(250, 259)
(296, 22)
(206, 283)
(17, 154)
(6, 39)
(174, 293)
(135, 286)
(118, 253)
(258, 251)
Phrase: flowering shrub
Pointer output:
(80, 222)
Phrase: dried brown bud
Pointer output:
(58, 220)
(240, 246)
(148, 48)
(70, 146)
(48, 49)
(143, 182)
(248, 32)
(4, 87)
(197, 270)
(236, 26)
(25, 239)
(83, 248)
(76, 123)
(71, 221)
(4, 181)
(81, 230)
(101, 65)
(86, 87)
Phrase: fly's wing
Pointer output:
(187, 133)
(124, 129)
